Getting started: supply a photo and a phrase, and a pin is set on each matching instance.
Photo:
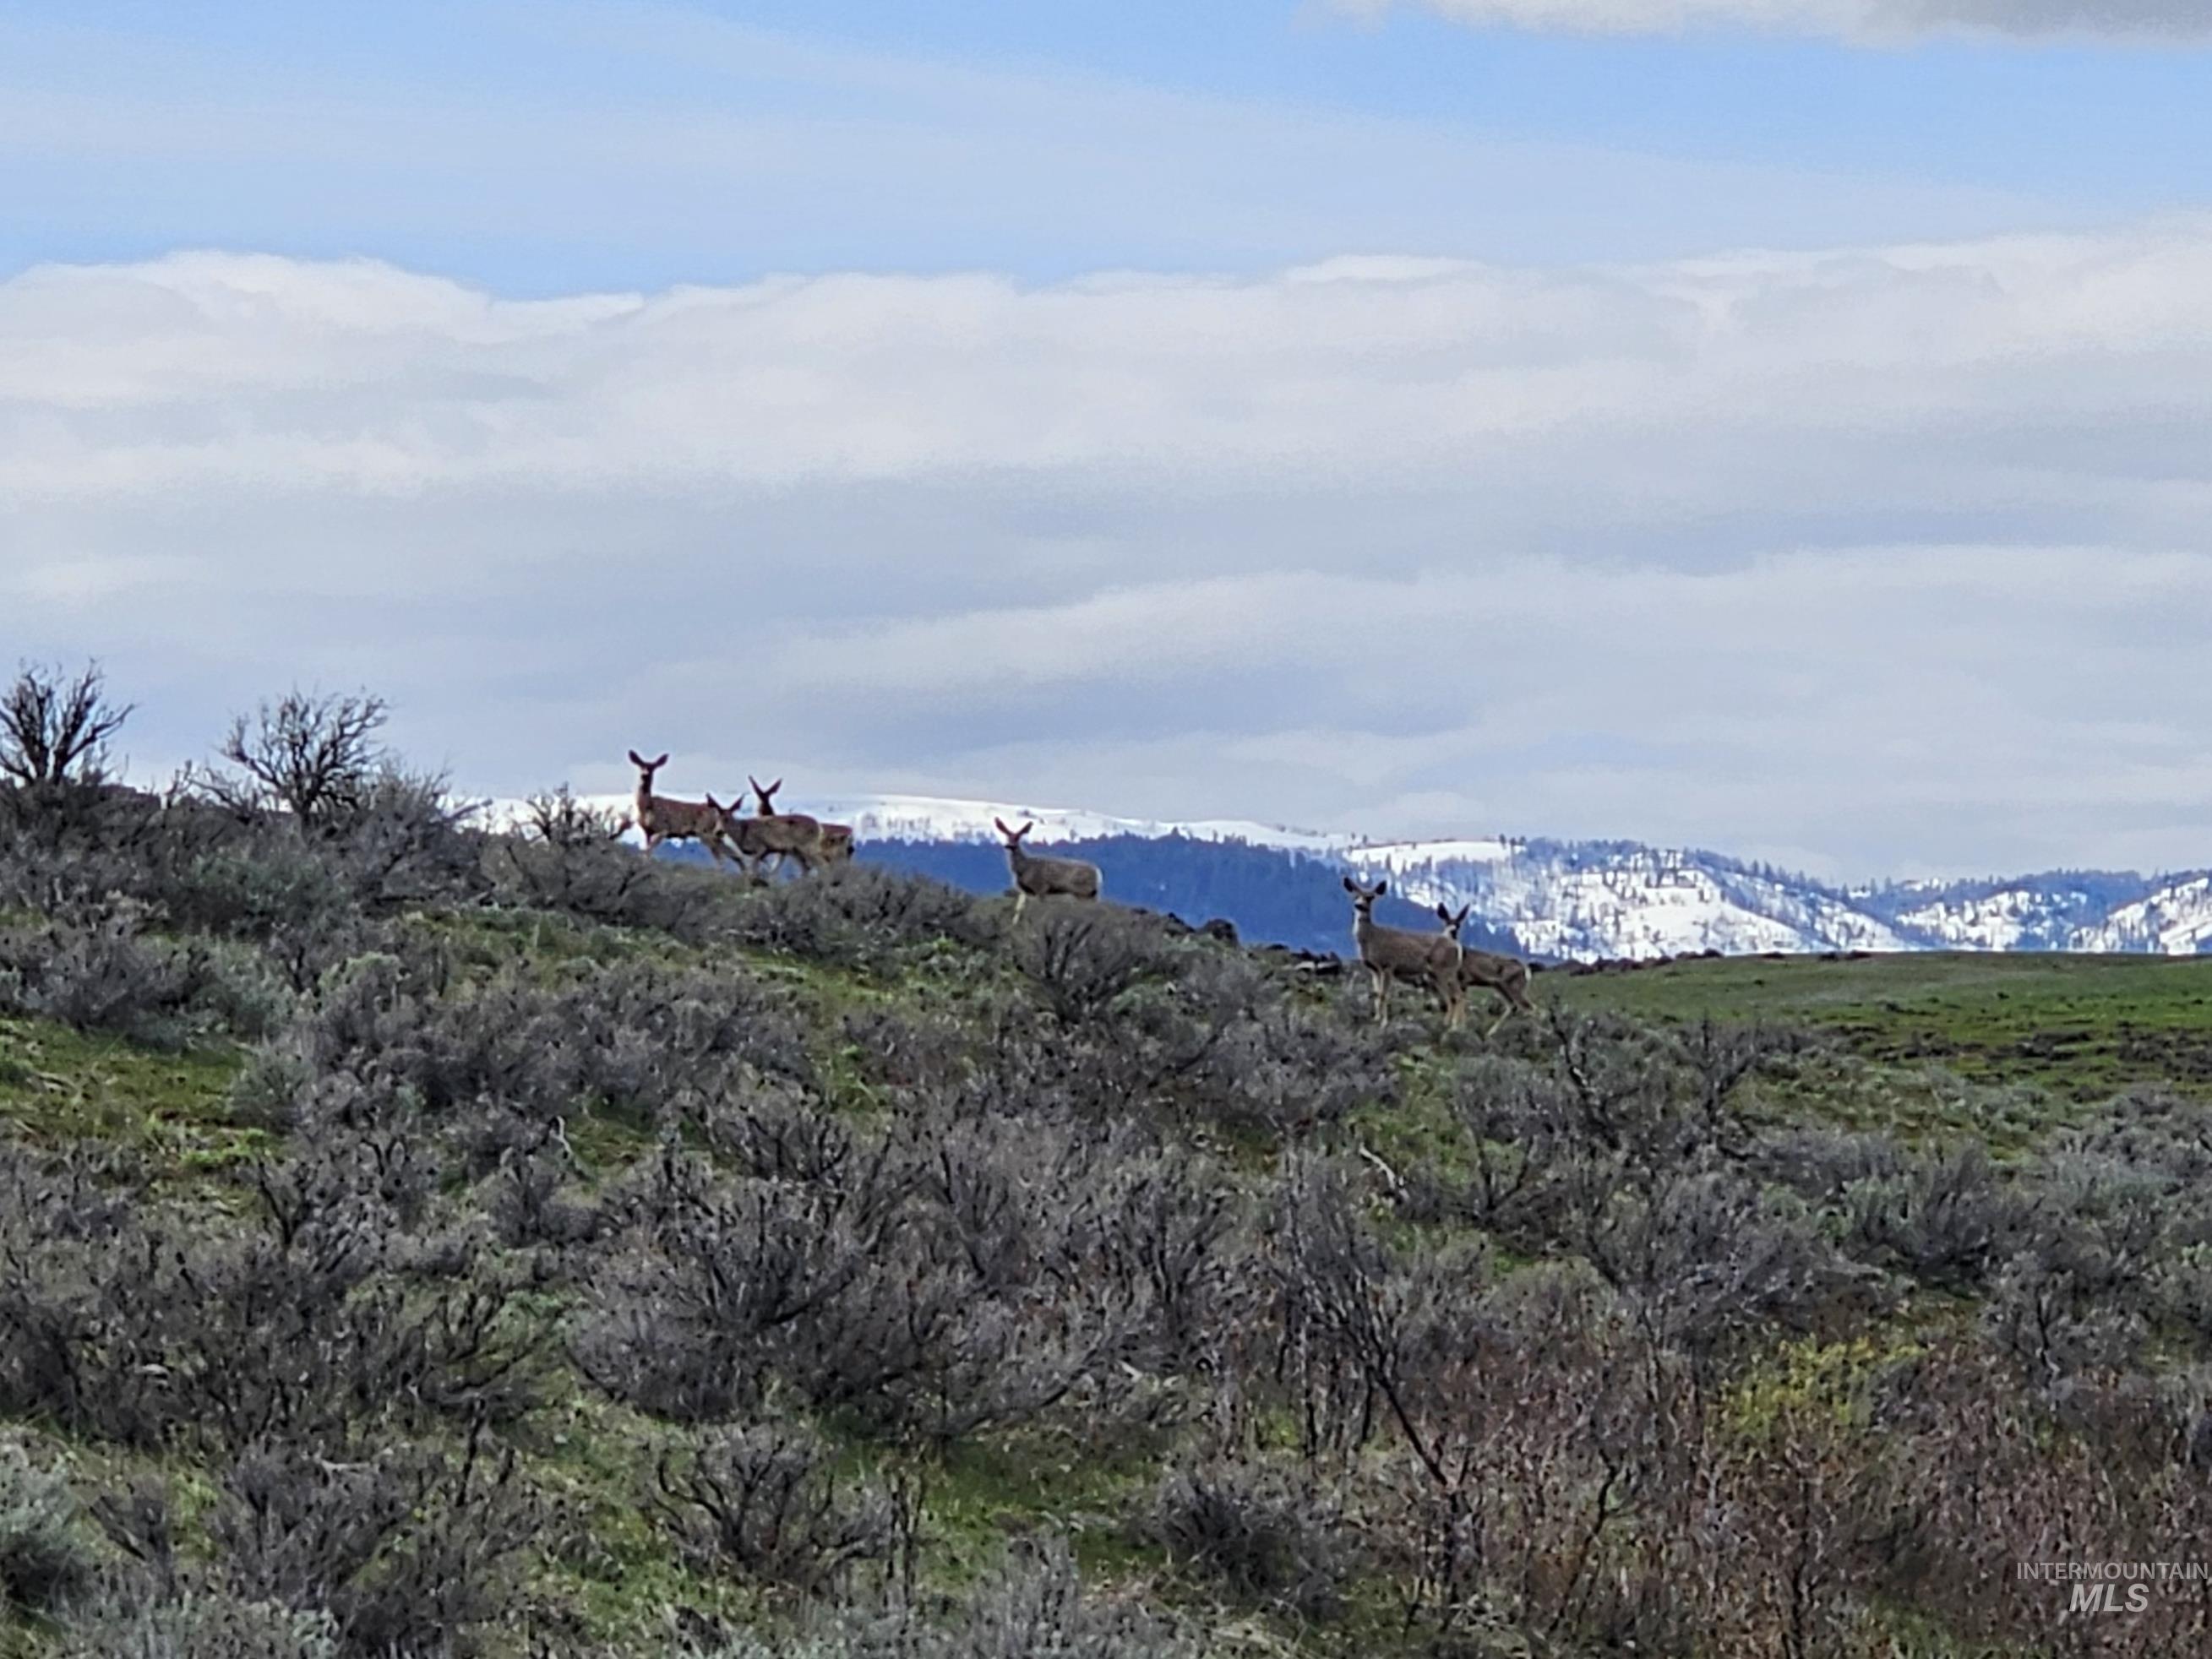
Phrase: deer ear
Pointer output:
(1001, 823)
(1381, 888)
(1443, 914)
(1348, 885)
(777, 785)
(662, 762)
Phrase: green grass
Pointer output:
(995, 1486)
(592, 1457)
(2081, 1027)
(58, 1085)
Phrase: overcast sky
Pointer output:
(1783, 429)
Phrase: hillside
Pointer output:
(1274, 897)
(414, 1240)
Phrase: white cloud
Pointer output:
(1864, 20)
(1894, 556)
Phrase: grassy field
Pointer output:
(2081, 1027)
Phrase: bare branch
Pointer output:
(312, 756)
(55, 730)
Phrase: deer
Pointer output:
(746, 837)
(1036, 877)
(837, 838)
(785, 835)
(663, 818)
(1389, 953)
(1487, 971)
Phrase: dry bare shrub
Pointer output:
(762, 1501)
(443, 1577)
(1282, 1068)
(54, 728)
(1082, 957)
(1710, 1260)
(1261, 1535)
(1949, 1219)
(201, 1625)
(1032, 1606)
(402, 1550)
(1988, 1481)
(313, 757)
(99, 968)
(902, 913)
(145, 1331)
(533, 1199)
(972, 1273)
(567, 856)
(47, 1561)
(636, 1038)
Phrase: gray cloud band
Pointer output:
(1869, 561)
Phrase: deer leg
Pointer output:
(1516, 995)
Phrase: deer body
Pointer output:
(1394, 953)
(784, 835)
(746, 838)
(662, 818)
(1038, 877)
(1487, 971)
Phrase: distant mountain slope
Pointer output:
(1583, 900)
(1275, 896)
(1553, 899)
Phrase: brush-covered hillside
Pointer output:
(418, 1242)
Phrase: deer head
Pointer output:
(1454, 923)
(766, 793)
(1363, 898)
(1014, 837)
(646, 767)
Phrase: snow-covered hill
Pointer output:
(1580, 900)
(1583, 900)
(2176, 920)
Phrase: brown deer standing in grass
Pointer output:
(1036, 877)
(785, 835)
(1430, 960)
(662, 818)
(1487, 971)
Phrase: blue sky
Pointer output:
(1444, 417)
(539, 149)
